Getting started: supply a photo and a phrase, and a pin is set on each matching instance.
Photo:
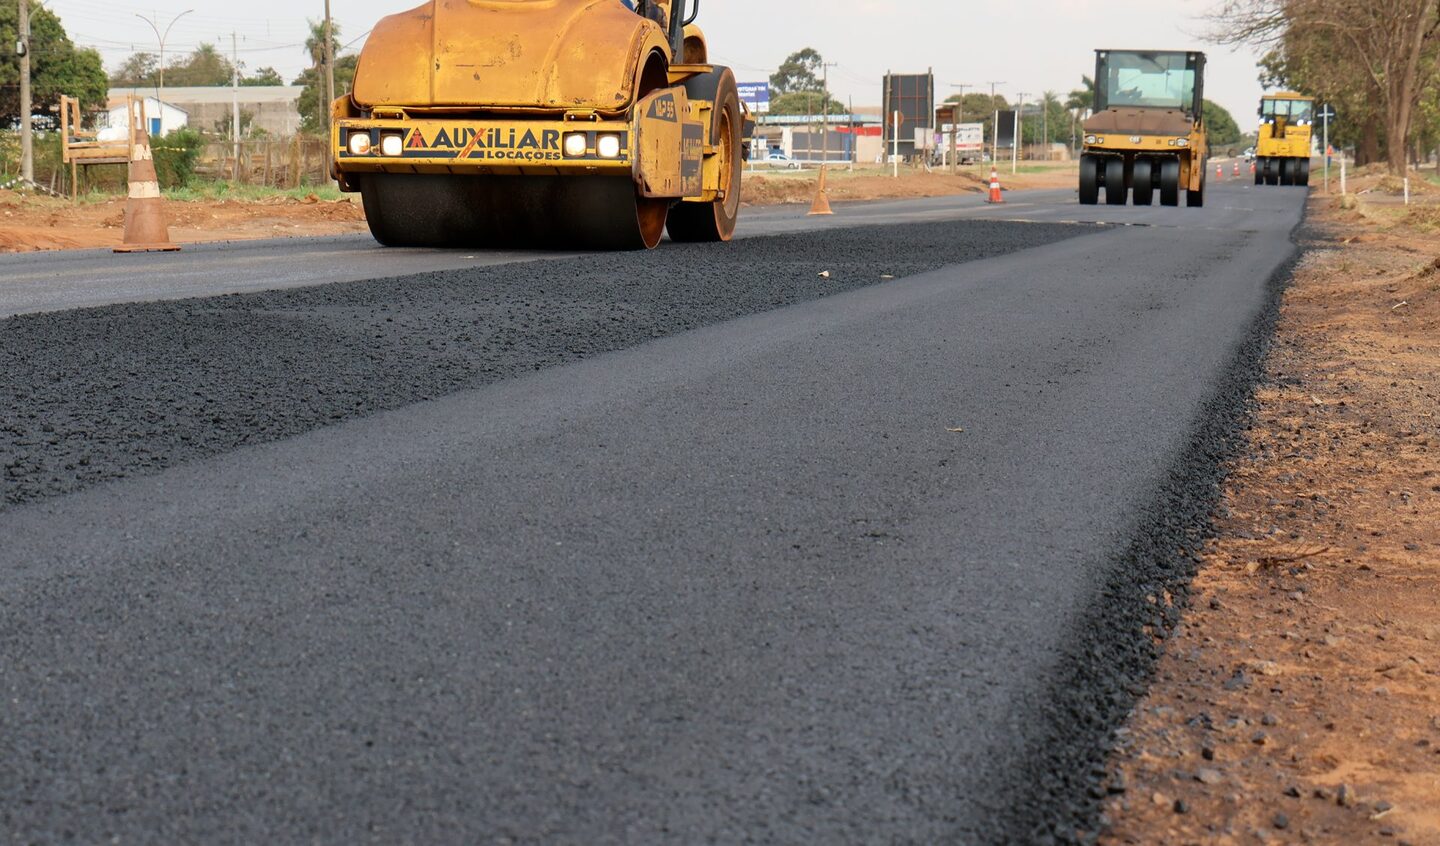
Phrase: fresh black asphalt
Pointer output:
(868, 567)
(100, 393)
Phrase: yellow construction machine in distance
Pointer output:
(1147, 128)
(1282, 153)
(541, 123)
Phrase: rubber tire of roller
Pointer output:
(1169, 181)
(1196, 199)
(1115, 181)
(1142, 181)
(1089, 179)
(715, 220)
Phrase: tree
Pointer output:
(1220, 127)
(981, 109)
(141, 70)
(57, 66)
(805, 103)
(312, 99)
(205, 66)
(1082, 99)
(799, 72)
(1052, 115)
(315, 42)
(264, 76)
(1392, 44)
(1305, 62)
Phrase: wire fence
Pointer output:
(291, 162)
(272, 162)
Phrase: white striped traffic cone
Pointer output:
(995, 187)
(145, 227)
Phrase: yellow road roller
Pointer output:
(1147, 129)
(584, 124)
(1282, 153)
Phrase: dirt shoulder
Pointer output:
(34, 222)
(1299, 702)
(37, 222)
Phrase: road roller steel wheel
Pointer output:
(1089, 180)
(1142, 181)
(510, 212)
(1114, 181)
(1302, 172)
(714, 221)
(1287, 171)
(1169, 182)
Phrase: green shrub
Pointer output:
(176, 155)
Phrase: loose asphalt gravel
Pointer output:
(108, 392)
(873, 566)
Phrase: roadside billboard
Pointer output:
(755, 95)
(913, 97)
(971, 137)
(1005, 127)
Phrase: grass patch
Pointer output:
(199, 191)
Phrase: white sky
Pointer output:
(1029, 45)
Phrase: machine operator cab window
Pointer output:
(1294, 112)
(656, 10)
(1137, 79)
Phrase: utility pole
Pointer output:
(854, 148)
(1015, 147)
(22, 46)
(824, 112)
(159, 36)
(955, 118)
(1045, 126)
(1324, 114)
(235, 102)
(329, 85)
(995, 133)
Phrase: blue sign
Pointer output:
(756, 95)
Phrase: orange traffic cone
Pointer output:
(995, 187)
(145, 227)
(1237, 167)
(1219, 171)
(821, 203)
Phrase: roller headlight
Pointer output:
(391, 144)
(1182, 142)
(575, 144)
(608, 146)
(359, 143)
(1091, 139)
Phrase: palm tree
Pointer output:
(315, 44)
(1080, 101)
(1048, 100)
(315, 47)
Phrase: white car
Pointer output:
(779, 159)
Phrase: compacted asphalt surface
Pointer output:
(689, 546)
